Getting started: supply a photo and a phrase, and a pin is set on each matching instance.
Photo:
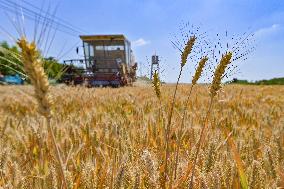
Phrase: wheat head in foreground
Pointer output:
(199, 70)
(219, 72)
(34, 69)
(215, 87)
(184, 55)
(157, 84)
(195, 78)
(187, 50)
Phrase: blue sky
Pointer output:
(148, 24)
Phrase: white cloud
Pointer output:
(267, 31)
(140, 42)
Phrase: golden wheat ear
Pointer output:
(199, 70)
(215, 86)
(219, 72)
(195, 78)
(34, 69)
(187, 50)
(157, 84)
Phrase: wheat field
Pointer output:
(115, 138)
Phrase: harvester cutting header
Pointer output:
(108, 61)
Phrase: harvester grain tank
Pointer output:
(108, 61)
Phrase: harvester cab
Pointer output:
(108, 61)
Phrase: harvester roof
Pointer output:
(102, 37)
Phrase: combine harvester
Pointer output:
(109, 61)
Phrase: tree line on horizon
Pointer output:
(273, 81)
(10, 63)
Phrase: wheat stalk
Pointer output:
(33, 68)
(215, 86)
(195, 78)
(184, 55)
(236, 157)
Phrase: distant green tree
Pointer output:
(53, 68)
(238, 81)
(11, 64)
(273, 81)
